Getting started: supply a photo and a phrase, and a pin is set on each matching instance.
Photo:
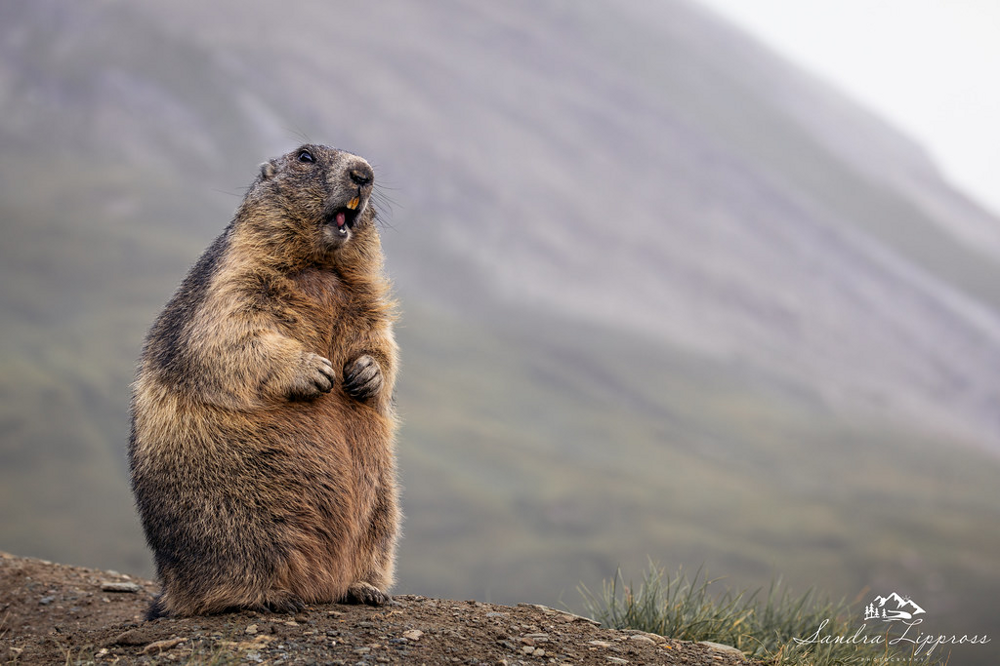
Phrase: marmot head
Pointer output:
(312, 201)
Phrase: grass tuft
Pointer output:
(763, 625)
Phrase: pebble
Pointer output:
(111, 586)
(251, 629)
(639, 638)
(45, 601)
(566, 618)
(617, 660)
(719, 647)
(413, 634)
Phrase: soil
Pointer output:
(57, 614)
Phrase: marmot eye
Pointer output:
(306, 156)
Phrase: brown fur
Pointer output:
(262, 448)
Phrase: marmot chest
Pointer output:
(329, 315)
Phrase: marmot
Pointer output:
(262, 443)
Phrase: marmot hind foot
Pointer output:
(367, 594)
(283, 602)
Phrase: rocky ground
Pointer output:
(56, 614)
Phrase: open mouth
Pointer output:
(343, 218)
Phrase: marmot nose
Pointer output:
(362, 175)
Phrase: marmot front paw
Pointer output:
(362, 377)
(315, 376)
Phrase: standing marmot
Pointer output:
(262, 420)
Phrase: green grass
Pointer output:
(774, 626)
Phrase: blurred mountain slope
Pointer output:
(655, 172)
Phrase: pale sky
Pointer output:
(931, 67)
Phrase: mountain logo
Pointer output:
(882, 608)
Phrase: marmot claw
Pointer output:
(362, 377)
(315, 377)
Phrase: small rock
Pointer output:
(539, 652)
(540, 607)
(567, 618)
(111, 586)
(160, 646)
(291, 623)
(603, 644)
(527, 649)
(497, 614)
(528, 641)
(251, 629)
(719, 647)
(617, 660)
(362, 650)
(639, 638)
(45, 601)
(413, 634)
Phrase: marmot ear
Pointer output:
(267, 170)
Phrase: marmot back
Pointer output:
(262, 445)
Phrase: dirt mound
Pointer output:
(56, 614)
